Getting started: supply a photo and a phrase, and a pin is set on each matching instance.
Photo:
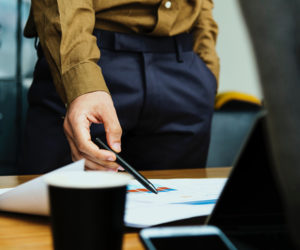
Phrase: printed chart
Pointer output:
(176, 199)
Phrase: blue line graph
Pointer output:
(203, 202)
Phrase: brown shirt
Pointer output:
(65, 32)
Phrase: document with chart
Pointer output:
(176, 199)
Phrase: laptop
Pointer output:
(250, 210)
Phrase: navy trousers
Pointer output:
(163, 94)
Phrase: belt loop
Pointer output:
(178, 49)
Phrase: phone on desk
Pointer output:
(185, 237)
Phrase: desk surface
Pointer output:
(33, 232)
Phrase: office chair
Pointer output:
(233, 118)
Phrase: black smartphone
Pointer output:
(185, 237)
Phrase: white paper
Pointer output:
(32, 197)
(4, 190)
(177, 198)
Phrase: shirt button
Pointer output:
(168, 4)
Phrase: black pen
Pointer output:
(140, 178)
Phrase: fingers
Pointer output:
(83, 111)
(93, 163)
(79, 133)
(113, 130)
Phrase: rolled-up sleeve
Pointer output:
(65, 29)
(205, 37)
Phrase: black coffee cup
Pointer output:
(87, 209)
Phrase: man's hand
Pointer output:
(94, 107)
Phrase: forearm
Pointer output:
(65, 31)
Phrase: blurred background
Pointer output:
(238, 65)
(17, 60)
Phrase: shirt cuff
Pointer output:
(81, 79)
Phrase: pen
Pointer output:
(140, 178)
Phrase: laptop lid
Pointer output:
(250, 198)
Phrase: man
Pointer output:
(144, 69)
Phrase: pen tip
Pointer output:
(154, 190)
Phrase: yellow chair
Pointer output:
(234, 115)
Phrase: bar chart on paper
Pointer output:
(176, 199)
(138, 189)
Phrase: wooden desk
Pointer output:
(33, 232)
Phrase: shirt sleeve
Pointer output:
(65, 29)
(205, 36)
